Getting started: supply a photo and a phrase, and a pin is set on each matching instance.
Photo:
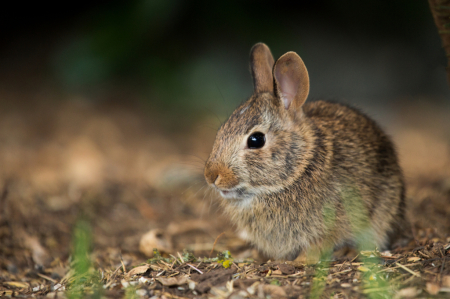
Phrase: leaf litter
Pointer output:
(42, 212)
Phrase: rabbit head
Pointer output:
(256, 149)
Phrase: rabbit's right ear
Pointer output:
(291, 81)
(261, 64)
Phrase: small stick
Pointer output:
(181, 259)
(347, 270)
(123, 265)
(423, 254)
(354, 258)
(160, 273)
(391, 268)
(418, 248)
(194, 268)
(407, 269)
(46, 277)
(174, 262)
(442, 269)
(236, 266)
(176, 259)
(109, 281)
(214, 245)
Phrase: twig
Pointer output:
(110, 280)
(354, 258)
(344, 271)
(181, 263)
(181, 259)
(174, 274)
(123, 265)
(160, 273)
(296, 274)
(423, 254)
(239, 268)
(214, 245)
(391, 268)
(173, 264)
(442, 269)
(418, 248)
(341, 266)
(47, 278)
(407, 269)
(250, 270)
(167, 264)
(194, 268)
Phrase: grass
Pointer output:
(85, 279)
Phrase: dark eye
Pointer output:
(256, 140)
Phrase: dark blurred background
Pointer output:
(192, 56)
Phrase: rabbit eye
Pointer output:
(256, 140)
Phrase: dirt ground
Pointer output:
(83, 181)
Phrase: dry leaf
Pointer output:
(413, 259)
(432, 288)
(286, 269)
(446, 281)
(38, 252)
(138, 270)
(274, 291)
(277, 272)
(346, 285)
(16, 284)
(407, 292)
(156, 238)
(173, 281)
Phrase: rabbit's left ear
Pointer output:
(261, 65)
(291, 81)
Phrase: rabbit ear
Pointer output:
(291, 80)
(261, 63)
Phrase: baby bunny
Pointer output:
(297, 176)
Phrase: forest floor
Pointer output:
(88, 189)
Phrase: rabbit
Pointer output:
(296, 177)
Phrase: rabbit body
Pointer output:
(325, 176)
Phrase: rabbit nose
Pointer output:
(219, 175)
(211, 175)
(216, 179)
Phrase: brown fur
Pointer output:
(327, 175)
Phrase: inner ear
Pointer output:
(291, 80)
(261, 64)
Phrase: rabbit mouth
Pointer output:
(237, 193)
